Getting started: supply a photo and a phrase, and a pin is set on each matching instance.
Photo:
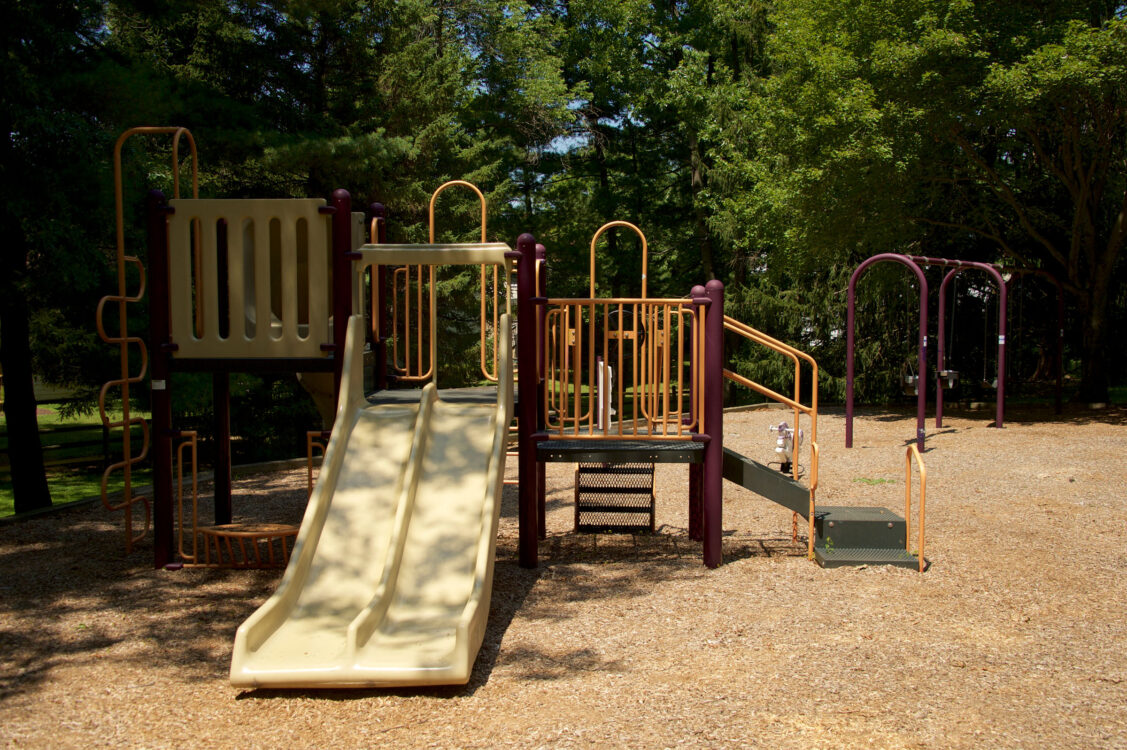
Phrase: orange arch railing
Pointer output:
(645, 249)
(913, 454)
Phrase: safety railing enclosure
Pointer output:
(618, 368)
(414, 336)
(411, 302)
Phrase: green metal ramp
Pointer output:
(767, 482)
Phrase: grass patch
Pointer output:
(871, 481)
(69, 485)
(78, 439)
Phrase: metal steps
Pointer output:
(614, 498)
(843, 535)
(838, 558)
(847, 535)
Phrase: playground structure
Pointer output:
(388, 579)
(946, 378)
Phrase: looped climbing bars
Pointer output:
(123, 340)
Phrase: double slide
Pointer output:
(391, 575)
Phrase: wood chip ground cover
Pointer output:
(1014, 638)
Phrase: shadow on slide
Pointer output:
(390, 579)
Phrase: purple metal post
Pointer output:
(542, 366)
(379, 293)
(957, 266)
(713, 473)
(527, 359)
(157, 211)
(921, 397)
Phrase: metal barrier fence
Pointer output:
(623, 368)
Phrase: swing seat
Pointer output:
(948, 378)
(988, 384)
(911, 385)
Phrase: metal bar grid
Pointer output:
(648, 343)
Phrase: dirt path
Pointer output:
(1015, 637)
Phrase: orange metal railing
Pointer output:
(407, 337)
(811, 411)
(314, 440)
(124, 341)
(645, 250)
(409, 329)
(913, 453)
(620, 367)
(190, 442)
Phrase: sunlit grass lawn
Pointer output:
(69, 483)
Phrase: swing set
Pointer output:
(946, 378)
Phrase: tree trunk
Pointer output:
(1093, 371)
(25, 452)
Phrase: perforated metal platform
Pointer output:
(621, 451)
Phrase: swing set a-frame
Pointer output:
(945, 378)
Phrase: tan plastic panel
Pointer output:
(470, 253)
(390, 580)
(266, 278)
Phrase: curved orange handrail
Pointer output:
(645, 250)
(492, 376)
(797, 356)
(913, 452)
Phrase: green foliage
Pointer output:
(936, 127)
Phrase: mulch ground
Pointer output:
(1014, 638)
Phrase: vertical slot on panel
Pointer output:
(223, 278)
(195, 240)
(272, 322)
(302, 278)
(249, 301)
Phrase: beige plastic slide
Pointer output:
(390, 579)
